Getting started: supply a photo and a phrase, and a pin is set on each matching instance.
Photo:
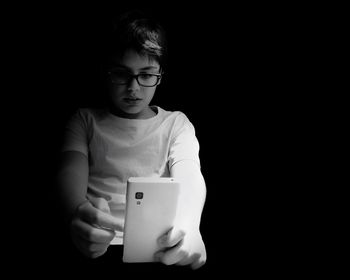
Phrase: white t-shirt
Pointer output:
(119, 148)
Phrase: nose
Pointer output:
(133, 84)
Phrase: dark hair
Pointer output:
(138, 31)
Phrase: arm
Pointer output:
(183, 245)
(192, 195)
(72, 181)
(90, 223)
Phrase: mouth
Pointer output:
(132, 100)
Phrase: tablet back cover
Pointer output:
(150, 212)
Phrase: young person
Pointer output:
(131, 138)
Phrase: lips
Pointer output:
(132, 101)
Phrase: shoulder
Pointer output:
(91, 114)
(176, 116)
(86, 118)
(177, 120)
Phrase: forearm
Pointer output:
(192, 194)
(72, 180)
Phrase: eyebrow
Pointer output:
(143, 68)
(149, 68)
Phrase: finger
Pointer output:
(188, 260)
(100, 203)
(92, 247)
(171, 238)
(108, 222)
(94, 216)
(89, 249)
(91, 233)
(173, 255)
(195, 261)
(199, 262)
(99, 253)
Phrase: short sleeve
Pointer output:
(184, 144)
(75, 136)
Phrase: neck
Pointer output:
(147, 113)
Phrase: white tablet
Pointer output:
(150, 212)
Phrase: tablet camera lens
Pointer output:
(139, 195)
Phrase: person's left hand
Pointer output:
(182, 247)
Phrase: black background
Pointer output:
(232, 71)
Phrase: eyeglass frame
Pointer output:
(136, 76)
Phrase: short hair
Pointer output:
(140, 32)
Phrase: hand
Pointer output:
(182, 248)
(93, 227)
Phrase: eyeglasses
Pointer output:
(143, 79)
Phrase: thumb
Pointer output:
(106, 221)
(99, 203)
(171, 237)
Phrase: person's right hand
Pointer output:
(93, 227)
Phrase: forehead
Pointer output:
(135, 61)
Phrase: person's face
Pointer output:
(131, 100)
